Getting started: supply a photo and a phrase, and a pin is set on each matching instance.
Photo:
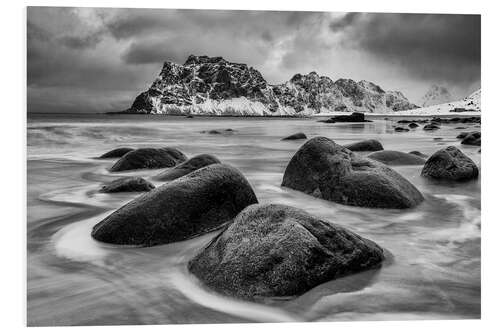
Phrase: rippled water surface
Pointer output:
(433, 266)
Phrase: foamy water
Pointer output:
(433, 265)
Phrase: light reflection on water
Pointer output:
(433, 269)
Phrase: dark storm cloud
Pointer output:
(440, 47)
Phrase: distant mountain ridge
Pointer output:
(436, 95)
(215, 86)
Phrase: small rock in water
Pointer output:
(391, 157)
(472, 138)
(329, 171)
(194, 163)
(128, 184)
(365, 145)
(413, 125)
(355, 117)
(275, 250)
(431, 127)
(116, 153)
(400, 129)
(200, 202)
(450, 164)
(189, 116)
(296, 136)
(149, 158)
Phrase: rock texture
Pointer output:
(149, 158)
(116, 153)
(276, 250)
(329, 171)
(128, 184)
(450, 164)
(199, 202)
(365, 145)
(194, 163)
(392, 157)
(213, 85)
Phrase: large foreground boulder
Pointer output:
(149, 158)
(450, 164)
(296, 136)
(365, 145)
(275, 250)
(392, 157)
(194, 163)
(199, 202)
(329, 171)
(128, 184)
(116, 153)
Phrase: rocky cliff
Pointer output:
(215, 86)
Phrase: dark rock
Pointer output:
(463, 135)
(296, 136)
(197, 203)
(365, 145)
(413, 125)
(116, 153)
(128, 184)
(417, 153)
(329, 171)
(473, 138)
(400, 129)
(194, 163)
(460, 127)
(149, 158)
(189, 116)
(431, 127)
(274, 250)
(450, 164)
(391, 157)
(355, 117)
(437, 139)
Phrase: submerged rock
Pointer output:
(400, 129)
(413, 125)
(128, 184)
(199, 202)
(431, 127)
(365, 145)
(392, 157)
(329, 171)
(149, 158)
(116, 153)
(275, 250)
(296, 136)
(450, 164)
(472, 138)
(194, 163)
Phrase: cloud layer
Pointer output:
(97, 60)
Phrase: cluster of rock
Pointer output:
(213, 85)
(268, 250)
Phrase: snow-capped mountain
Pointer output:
(215, 86)
(469, 105)
(436, 95)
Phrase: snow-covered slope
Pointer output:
(215, 86)
(435, 95)
(470, 105)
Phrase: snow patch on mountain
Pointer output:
(470, 105)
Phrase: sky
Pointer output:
(100, 59)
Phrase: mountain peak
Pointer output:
(436, 95)
(194, 59)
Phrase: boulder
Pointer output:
(194, 163)
(450, 164)
(149, 158)
(365, 145)
(355, 117)
(392, 157)
(431, 127)
(116, 153)
(296, 136)
(416, 152)
(473, 138)
(463, 135)
(128, 184)
(194, 204)
(413, 125)
(400, 129)
(273, 250)
(329, 171)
